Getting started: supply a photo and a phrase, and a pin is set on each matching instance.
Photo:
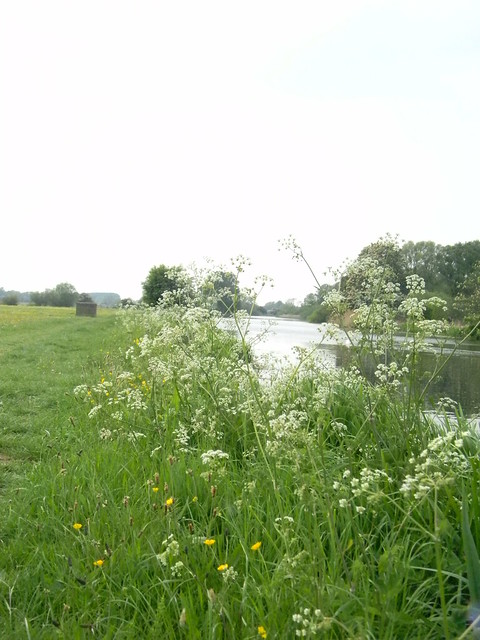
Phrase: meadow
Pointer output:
(158, 481)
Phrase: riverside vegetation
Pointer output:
(158, 481)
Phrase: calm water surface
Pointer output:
(459, 380)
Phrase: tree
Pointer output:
(390, 266)
(468, 300)
(85, 297)
(10, 299)
(225, 291)
(457, 262)
(39, 298)
(424, 259)
(162, 280)
(64, 295)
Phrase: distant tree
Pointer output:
(10, 299)
(310, 300)
(85, 297)
(312, 309)
(221, 292)
(387, 256)
(163, 280)
(468, 300)
(457, 261)
(319, 314)
(424, 259)
(280, 308)
(39, 298)
(64, 295)
(127, 302)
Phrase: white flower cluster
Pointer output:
(310, 622)
(171, 550)
(81, 391)
(390, 376)
(367, 487)
(338, 427)
(229, 575)
(440, 464)
(288, 434)
(212, 457)
(415, 284)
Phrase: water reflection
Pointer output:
(459, 379)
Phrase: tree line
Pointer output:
(217, 289)
(63, 294)
(450, 272)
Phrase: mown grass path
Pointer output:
(44, 353)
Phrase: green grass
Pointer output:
(44, 353)
(156, 434)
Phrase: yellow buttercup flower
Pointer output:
(155, 489)
(262, 631)
(209, 542)
(222, 567)
(169, 502)
(256, 546)
(99, 563)
(77, 525)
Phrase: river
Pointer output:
(459, 379)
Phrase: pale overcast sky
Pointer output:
(139, 133)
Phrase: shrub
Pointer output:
(10, 299)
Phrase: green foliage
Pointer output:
(127, 302)
(85, 297)
(181, 489)
(220, 291)
(63, 295)
(468, 299)
(471, 554)
(387, 257)
(444, 268)
(449, 272)
(424, 259)
(163, 280)
(319, 314)
(279, 308)
(10, 299)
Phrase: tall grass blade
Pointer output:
(471, 554)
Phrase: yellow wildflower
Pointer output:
(256, 546)
(262, 631)
(169, 502)
(77, 526)
(99, 563)
(222, 567)
(155, 489)
(209, 542)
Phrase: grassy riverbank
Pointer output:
(154, 487)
